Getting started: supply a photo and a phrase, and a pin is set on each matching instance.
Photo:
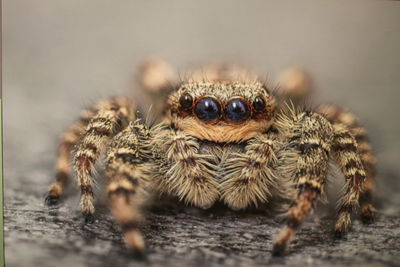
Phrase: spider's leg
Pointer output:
(339, 116)
(311, 136)
(295, 85)
(68, 141)
(248, 179)
(108, 121)
(127, 174)
(63, 165)
(369, 161)
(157, 79)
(155, 76)
(347, 156)
(223, 72)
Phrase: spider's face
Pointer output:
(222, 112)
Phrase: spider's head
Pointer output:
(222, 111)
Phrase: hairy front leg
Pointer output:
(128, 178)
(108, 121)
(68, 142)
(63, 165)
(310, 135)
(342, 118)
(349, 161)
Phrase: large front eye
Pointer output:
(237, 110)
(208, 109)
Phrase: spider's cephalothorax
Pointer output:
(223, 138)
(222, 112)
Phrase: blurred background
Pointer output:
(60, 56)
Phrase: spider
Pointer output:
(224, 137)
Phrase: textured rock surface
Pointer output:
(58, 57)
(39, 236)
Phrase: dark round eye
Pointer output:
(186, 100)
(259, 103)
(208, 109)
(237, 110)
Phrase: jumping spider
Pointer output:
(225, 137)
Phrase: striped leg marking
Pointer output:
(314, 136)
(368, 160)
(307, 196)
(348, 159)
(339, 116)
(103, 126)
(63, 166)
(128, 177)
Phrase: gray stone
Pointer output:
(36, 235)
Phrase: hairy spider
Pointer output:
(224, 137)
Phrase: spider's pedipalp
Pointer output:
(110, 119)
(128, 177)
(190, 175)
(248, 177)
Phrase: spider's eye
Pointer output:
(259, 103)
(186, 101)
(208, 109)
(237, 110)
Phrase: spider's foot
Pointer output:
(368, 213)
(339, 234)
(340, 230)
(367, 219)
(139, 255)
(88, 217)
(278, 250)
(135, 242)
(51, 199)
(342, 224)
